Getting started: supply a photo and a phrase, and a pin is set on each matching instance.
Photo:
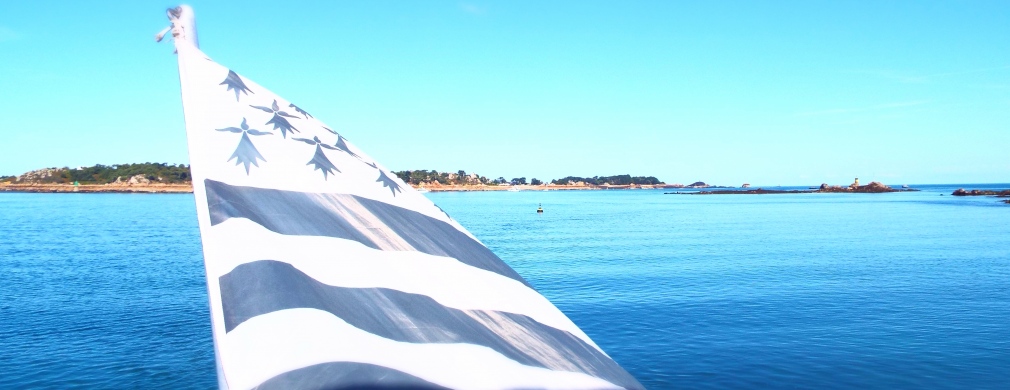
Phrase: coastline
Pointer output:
(188, 188)
(542, 187)
(99, 188)
(761, 191)
(873, 188)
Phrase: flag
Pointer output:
(324, 269)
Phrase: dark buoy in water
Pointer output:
(540, 208)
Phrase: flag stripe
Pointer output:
(287, 340)
(266, 286)
(347, 263)
(373, 223)
(346, 375)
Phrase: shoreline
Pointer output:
(761, 191)
(100, 188)
(542, 187)
(874, 187)
(188, 188)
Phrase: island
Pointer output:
(999, 194)
(872, 188)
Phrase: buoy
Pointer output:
(540, 208)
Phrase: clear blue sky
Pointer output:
(789, 93)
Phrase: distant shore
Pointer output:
(541, 187)
(157, 188)
(998, 194)
(872, 188)
(153, 188)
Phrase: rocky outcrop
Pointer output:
(39, 175)
(963, 192)
(135, 180)
(872, 188)
(138, 180)
(875, 186)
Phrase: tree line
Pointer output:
(179, 173)
(102, 174)
(612, 180)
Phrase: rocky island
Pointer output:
(872, 188)
(999, 194)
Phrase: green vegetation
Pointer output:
(179, 173)
(102, 174)
(458, 178)
(613, 180)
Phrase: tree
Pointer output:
(519, 181)
(536, 181)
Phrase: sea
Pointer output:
(904, 290)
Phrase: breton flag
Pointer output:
(325, 270)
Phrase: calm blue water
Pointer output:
(901, 290)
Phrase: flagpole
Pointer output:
(183, 25)
(183, 29)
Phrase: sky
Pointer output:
(726, 92)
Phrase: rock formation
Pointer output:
(873, 187)
(138, 179)
(39, 174)
(963, 192)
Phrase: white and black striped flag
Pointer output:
(325, 270)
